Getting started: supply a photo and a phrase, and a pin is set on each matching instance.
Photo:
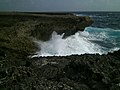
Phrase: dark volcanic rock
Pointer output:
(76, 72)
(84, 72)
(67, 24)
(41, 25)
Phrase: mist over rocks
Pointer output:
(43, 24)
(75, 72)
(67, 24)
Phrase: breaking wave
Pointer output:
(91, 41)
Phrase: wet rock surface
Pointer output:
(76, 72)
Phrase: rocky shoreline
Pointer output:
(76, 72)
(42, 25)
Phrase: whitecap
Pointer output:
(92, 40)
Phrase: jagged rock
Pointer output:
(84, 72)
(76, 72)
(67, 24)
(43, 24)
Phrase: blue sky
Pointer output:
(59, 5)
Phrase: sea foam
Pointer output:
(91, 41)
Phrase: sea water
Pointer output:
(101, 37)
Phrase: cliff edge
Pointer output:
(41, 25)
(67, 24)
(76, 72)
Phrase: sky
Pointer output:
(59, 5)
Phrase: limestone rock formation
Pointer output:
(67, 24)
(41, 25)
(76, 72)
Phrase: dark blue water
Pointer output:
(101, 37)
(104, 19)
(105, 29)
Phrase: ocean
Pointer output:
(101, 37)
(103, 19)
